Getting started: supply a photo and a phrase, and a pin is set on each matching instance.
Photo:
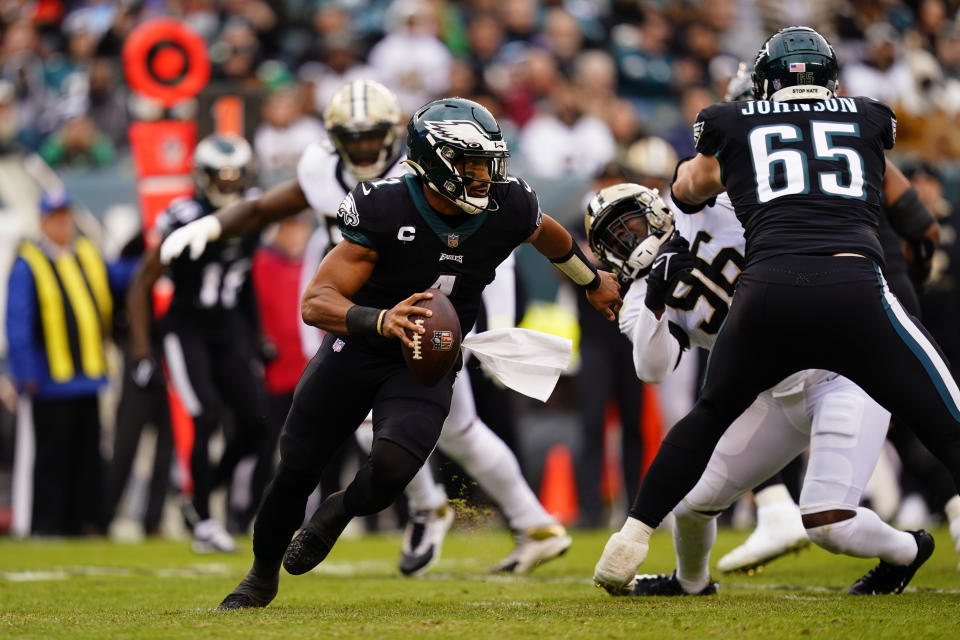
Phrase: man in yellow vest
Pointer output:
(59, 310)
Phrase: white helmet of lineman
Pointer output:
(626, 224)
(223, 168)
(364, 122)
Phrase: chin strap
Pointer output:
(643, 255)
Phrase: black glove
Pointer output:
(673, 259)
(919, 268)
(145, 373)
(266, 350)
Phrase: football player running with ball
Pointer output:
(363, 121)
(447, 225)
(804, 170)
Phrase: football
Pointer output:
(436, 350)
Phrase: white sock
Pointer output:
(952, 511)
(636, 530)
(424, 493)
(492, 464)
(775, 494)
(693, 536)
(866, 536)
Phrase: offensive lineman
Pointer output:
(363, 122)
(448, 225)
(803, 170)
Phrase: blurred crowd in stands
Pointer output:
(585, 89)
(558, 71)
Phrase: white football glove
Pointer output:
(195, 235)
(622, 556)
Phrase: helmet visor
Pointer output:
(484, 168)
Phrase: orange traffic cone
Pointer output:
(558, 491)
(651, 424)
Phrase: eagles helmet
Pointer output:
(626, 224)
(223, 168)
(740, 86)
(795, 63)
(454, 143)
(363, 121)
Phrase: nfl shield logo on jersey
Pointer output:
(337, 345)
(453, 239)
(442, 340)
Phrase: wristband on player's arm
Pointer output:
(691, 208)
(575, 266)
(360, 320)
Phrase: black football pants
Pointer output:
(809, 312)
(340, 385)
(211, 361)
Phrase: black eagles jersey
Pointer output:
(804, 177)
(217, 279)
(419, 248)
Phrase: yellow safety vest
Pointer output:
(79, 275)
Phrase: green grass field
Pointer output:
(159, 589)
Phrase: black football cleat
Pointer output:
(667, 585)
(316, 539)
(893, 578)
(257, 589)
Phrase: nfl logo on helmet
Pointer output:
(442, 340)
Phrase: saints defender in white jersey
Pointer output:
(364, 124)
(683, 272)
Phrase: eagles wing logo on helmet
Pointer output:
(445, 135)
(466, 133)
(223, 168)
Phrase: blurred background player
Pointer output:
(208, 331)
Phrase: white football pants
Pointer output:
(845, 430)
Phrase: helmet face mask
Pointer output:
(795, 63)
(457, 148)
(626, 224)
(223, 169)
(363, 121)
